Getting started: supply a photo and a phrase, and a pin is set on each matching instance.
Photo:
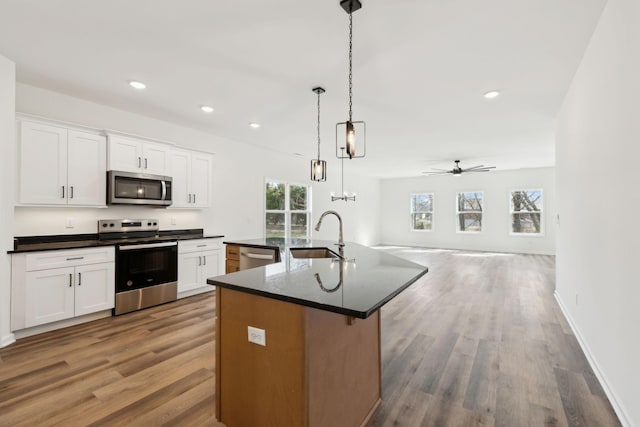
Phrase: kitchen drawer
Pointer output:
(232, 266)
(68, 258)
(186, 246)
(233, 252)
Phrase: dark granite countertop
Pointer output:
(75, 241)
(357, 287)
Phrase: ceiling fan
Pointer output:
(457, 170)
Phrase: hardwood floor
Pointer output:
(479, 341)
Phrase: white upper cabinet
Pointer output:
(191, 172)
(134, 155)
(60, 166)
(201, 165)
(86, 168)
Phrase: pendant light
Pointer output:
(318, 167)
(343, 195)
(354, 131)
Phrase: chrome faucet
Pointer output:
(340, 241)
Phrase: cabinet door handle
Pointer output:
(63, 191)
(205, 260)
(71, 192)
(75, 258)
(199, 260)
(200, 246)
(194, 198)
(79, 279)
(145, 163)
(139, 162)
(70, 280)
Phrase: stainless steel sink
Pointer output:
(313, 253)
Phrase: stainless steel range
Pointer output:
(146, 264)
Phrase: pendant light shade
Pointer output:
(353, 132)
(318, 167)
(318, 170)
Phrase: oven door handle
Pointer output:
(147, 246)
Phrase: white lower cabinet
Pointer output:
(197, 261)
(49, 296)
(81, 282)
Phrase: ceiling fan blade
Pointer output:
(475, 167)
(436, 173)
(441, 170)
(476, 170)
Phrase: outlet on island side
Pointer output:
(257, 336)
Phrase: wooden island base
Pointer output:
(318, 368)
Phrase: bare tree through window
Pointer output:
(421, 211)
(526, 211)
(469, 211)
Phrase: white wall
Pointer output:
(7, 128)
(496, 225)
(238, 179)
(598, 151)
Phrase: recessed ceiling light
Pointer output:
(137, 85)
(254, 125)
(206, 109)
(492, 94)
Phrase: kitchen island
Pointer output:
(319, 321)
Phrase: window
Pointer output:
(526, 209)
(421, 212)
(469, 211)
(287, 210)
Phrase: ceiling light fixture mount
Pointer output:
(492, 94)
(318, 167)
(351, 128)
(137, 85)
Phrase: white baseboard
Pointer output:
(196, 291)
(40, 329)
(7, 340)
(615, 402)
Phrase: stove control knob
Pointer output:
(149, 224)
(155, 223)
(112, 225)
(105, 224)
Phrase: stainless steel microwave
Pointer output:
(130, 188)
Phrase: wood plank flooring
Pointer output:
(479, 341)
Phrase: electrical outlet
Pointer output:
(576, 299)
(173, 221)
(69, 223)
(257, 336)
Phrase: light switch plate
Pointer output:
(257, 336)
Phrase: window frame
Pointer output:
(287, 207)
(457, 217)
(411, 212)
(541, 212)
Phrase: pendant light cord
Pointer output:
(342, 175)
(350, 63)
(319, 125)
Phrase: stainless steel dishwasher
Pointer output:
(257, 257)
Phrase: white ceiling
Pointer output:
(420, 70)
